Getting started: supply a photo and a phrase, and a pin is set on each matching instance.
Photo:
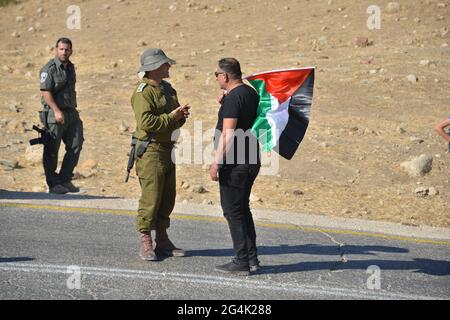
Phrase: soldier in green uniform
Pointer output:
(60, 117)
(158, 114)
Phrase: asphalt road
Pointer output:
(38, 246)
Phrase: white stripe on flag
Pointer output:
(277, 118)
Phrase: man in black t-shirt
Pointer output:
(236, 163)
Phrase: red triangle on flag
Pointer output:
(282, 84)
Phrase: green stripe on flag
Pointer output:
(261, 127)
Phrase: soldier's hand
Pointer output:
(178, 113)
(59, 116)
(185, 109)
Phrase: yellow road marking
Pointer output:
(222, 220)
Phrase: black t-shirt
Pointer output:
(240, 103)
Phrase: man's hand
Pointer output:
(186, 112)
(48, 98)
(214, 172)
(222, 95)
(182, 112)
(59, 116)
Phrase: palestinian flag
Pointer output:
(285, 98)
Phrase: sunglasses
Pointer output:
(217, 73)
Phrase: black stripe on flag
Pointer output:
(299, 112)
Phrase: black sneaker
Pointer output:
(234, 268)
(69, 186)
(254, 266)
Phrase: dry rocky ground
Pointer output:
(378, 95)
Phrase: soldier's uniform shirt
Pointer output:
(60, 81)
(155, 169)
(152, 113)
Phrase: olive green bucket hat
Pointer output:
(152, 59)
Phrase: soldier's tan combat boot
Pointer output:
(146, 252)
(165, 247)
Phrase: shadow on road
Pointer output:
(313, 249)
(426, 266)
(15, 259)
(16, 195)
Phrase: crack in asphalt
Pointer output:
(341, 246)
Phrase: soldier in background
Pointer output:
(60, 117)
(158, 113)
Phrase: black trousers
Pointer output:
(236, 183)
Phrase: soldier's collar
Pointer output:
(59, 63)
(151, 82)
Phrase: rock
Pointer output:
(33, 154)
(16, 126)
(173, 7)
(198, 189)
(323, 41)
(362, 42)
(412, 78)
(141, 43)
(20, 19)
(324, 144)
(424, 63)
(15, 34)
(415, 139)
(8, 69)
(16, 107)
(124, 127)
(9, 164)
(255, 198)
(432, 191)
(40, 188)
(88, 168)
(298, 192)
(418, 166)
(425, 191)
(185, 185)
(400, 130)
(443, 31)
(392, 7)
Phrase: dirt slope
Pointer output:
(367, 118)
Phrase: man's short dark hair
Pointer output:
(64, 40)
(232, 67)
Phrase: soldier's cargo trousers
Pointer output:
(71, 133)
(156, 173)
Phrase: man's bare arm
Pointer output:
(440, 129)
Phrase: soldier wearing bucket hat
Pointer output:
(152, 59)
(158, 113)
